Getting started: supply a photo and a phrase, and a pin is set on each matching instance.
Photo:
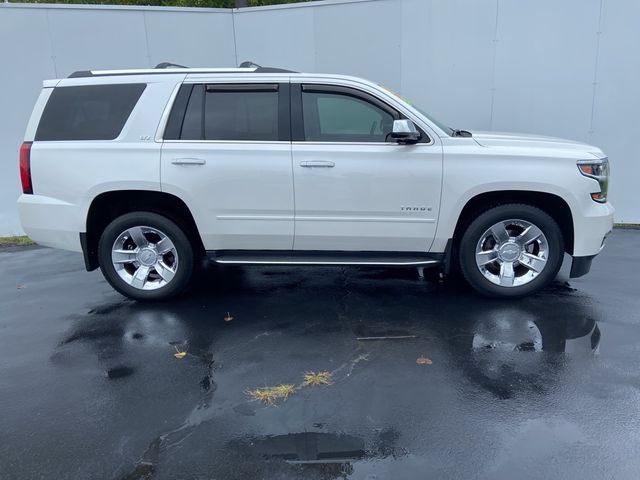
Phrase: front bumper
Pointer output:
(580, 266)
(592, 225)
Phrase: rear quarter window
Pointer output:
(88, 112)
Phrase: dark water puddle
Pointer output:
(311, 447)
(245, 409)
(119, 372)
(95, 332)
(108, 308)
(142, 471)
(364, 332)
(391, 274)
(558, 289)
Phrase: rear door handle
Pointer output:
(317, 163)
(188, 161)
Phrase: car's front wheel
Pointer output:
(511, 251)
(145, 256)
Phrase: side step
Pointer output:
(272, 257)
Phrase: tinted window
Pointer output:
(231, 112)
(241, 115)
(336, 117)
(192, 126)
(90, 112)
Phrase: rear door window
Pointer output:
(232, 112)
(88, 112)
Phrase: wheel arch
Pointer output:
(552, 204)
(108, 206)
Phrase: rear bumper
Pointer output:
(50, 222)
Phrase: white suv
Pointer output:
(147, 171)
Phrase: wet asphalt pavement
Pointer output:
(544, 387)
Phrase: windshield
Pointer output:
(442, 126)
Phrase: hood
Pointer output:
(502, 139)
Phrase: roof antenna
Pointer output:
(249, 64)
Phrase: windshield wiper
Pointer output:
(461, 133)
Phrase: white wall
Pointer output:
(38, 42)
(568, 69)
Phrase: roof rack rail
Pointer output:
(261, 69)
(169, 65)
(81, 74)
(249, 64)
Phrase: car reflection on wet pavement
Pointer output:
(544, 387)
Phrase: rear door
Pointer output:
(227, 153)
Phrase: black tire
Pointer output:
(182, 245)
(474, 232)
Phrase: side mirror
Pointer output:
(405, 132)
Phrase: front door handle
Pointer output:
(317, 163)
(188, 161)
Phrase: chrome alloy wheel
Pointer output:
(512, 253)
(144, 257)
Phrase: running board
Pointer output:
(408, 259)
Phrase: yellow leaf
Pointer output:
(424, 361)
(179, 354)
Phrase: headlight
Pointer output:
(598, 170)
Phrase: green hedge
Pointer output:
(170, 3)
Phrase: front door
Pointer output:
(228, 156)
(354, 189)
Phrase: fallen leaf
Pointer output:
(424, 361)
(228, 317)
(179, 354)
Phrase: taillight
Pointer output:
(25, 167)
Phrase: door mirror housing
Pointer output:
(405, 132)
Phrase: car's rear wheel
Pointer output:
(145, 256)
(511, 251)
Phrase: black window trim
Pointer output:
(173, 120)
(297, 117)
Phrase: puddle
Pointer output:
(508, 355)
(142, 471)
(108, 308)
(245, 409)
(364, 332)
(207, 384)
(311, 447)
(392, 274)
(558, 288)
(96, 333)
(119, 372)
